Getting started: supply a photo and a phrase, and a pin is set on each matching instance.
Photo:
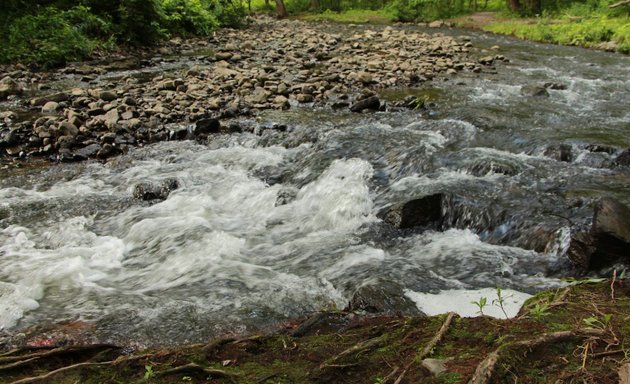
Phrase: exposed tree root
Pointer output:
(193, 368)
(17, 364)
(47, 376)
(429, 347)
(362, 346)
(485, 369)
(56, 351)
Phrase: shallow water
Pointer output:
(281, 224)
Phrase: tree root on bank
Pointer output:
(46, 376)
(10, 356)
(193, 368)
(362, 346)
(485, 369)
(429, 347)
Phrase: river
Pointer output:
(276, 225)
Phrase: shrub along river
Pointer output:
(280, 223)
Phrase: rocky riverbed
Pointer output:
(98, 110)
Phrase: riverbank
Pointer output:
(597, 32)
(192, 89)
(576, 333)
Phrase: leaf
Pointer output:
(624, 374)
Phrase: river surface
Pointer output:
(277, 225)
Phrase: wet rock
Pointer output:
(50, 107)
(383, 298)
(9, 87)
(106, 151)
(178, 133)
(66, 128)
(608, 240)
(107, 95)
(56, 97)
(424, 211)
(487, 60)
(87, 152)
(559, 152)
(206, 126)
(304, 98)
(555, 86)
(285, 196)
(534, 91)
(155, 191)
(624, 158)
(371, 103)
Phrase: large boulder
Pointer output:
(383, 298)
(608, 240)
(421, 212)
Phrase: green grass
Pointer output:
(354, 16)
(586, 32)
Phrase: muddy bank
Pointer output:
(572, 334)
(193, 89)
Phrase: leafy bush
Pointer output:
(229, 13)
(140, 21)
(184, 17)
(50, 38)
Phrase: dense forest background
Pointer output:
(48, 33)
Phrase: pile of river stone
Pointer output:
(270, 65)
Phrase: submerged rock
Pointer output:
(153, 191)
(425, 211)
(534, 91)
(372, 103)
(559, 152)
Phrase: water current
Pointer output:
(276, 225)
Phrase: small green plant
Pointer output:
(539, 311)
(603, 322)
(148, 372)
(481, 303)
(500, 302)
(378, 380)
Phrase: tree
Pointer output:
(281, 10)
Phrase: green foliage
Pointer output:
(481, 304)
(539, 311)
(140, 21)
(568, 31)
(184, 17)
(148, 372)
(229, 13)
(500, 302)
(51, 38)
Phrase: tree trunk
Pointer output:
(281, 10)
(514, 5)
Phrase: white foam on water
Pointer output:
(461, 302)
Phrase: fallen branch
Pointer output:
(429, 347)
(485, 369)
(50, 374)
(198, 369)
(619, 4)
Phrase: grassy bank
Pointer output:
(593, 32)
(577, 334)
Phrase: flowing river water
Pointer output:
(276, 225)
